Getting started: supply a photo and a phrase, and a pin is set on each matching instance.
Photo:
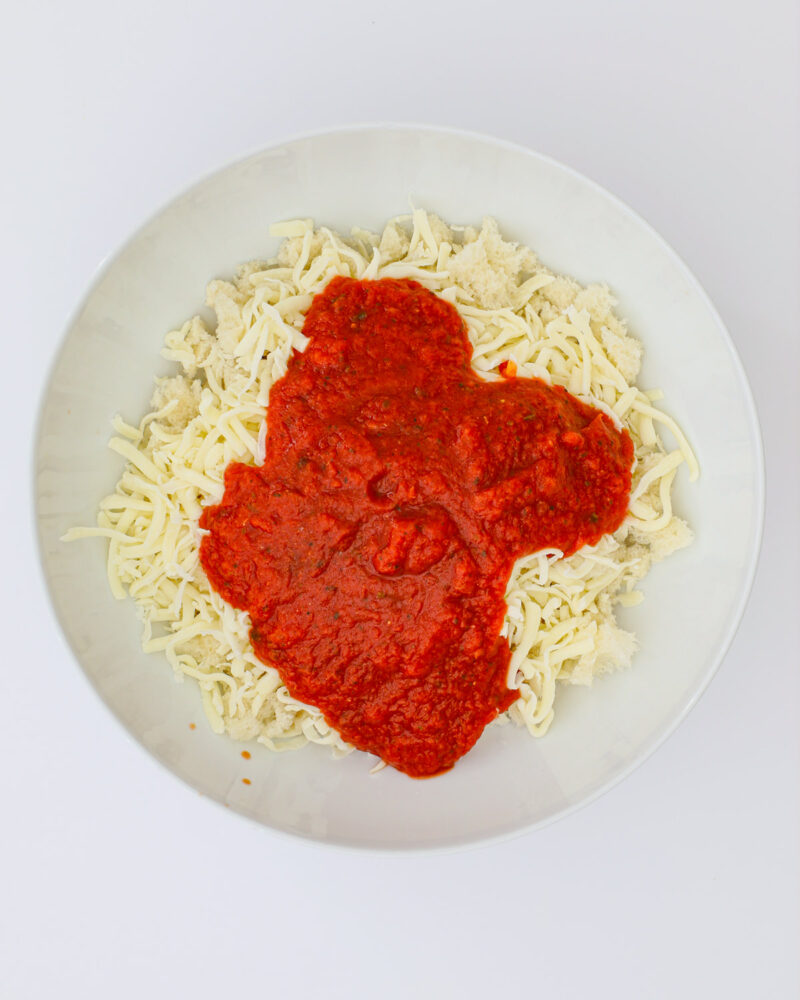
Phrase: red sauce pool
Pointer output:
(373, 546)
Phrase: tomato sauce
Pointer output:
(373, 546)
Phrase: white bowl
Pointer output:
(362, 176)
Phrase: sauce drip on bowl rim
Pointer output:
(373, 546)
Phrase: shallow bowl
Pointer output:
(362, 176)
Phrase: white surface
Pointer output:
(508, 782)
(683, 880)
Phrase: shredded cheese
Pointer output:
(560, 621)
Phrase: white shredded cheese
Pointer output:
(560, 620)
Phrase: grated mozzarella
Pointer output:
(560, 620)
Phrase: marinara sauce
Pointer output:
(373, 546)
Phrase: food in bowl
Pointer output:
(395, 494)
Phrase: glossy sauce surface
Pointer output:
(373, 546)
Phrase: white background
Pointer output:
(118, 881)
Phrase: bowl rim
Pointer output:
(759, 479)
